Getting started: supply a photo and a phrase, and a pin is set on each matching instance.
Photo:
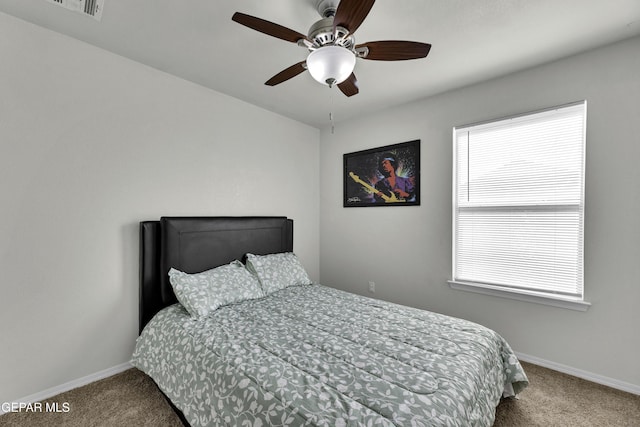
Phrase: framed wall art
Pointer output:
(383, 176)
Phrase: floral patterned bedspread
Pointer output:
(316, 356)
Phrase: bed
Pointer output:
(301, 353)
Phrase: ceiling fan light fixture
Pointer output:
(331, 65)
(332, 44)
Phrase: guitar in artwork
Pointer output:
(388, 199)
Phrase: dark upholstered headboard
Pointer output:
(195, 244)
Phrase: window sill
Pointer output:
(528, 296)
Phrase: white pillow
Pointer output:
(277, 271)
(202, 293)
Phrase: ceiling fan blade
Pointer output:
(394, 50)
(268, 27)
(287, 74)
(350, 86)
(351, 13)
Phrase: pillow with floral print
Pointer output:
(277, 271)
(202, 293)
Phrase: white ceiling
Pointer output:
(473, 40)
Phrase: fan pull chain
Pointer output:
(331, 112)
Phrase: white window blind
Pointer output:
(519, 202)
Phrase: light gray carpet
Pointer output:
(552, 400)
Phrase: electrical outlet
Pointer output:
(372, 287)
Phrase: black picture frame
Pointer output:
(367, 182)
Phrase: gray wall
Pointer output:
(90, 144)
(407, 250)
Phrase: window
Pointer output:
(518, 206)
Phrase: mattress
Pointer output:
(317, 356)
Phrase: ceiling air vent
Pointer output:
(92, 8)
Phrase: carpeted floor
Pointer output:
(552, 400)
(126, 399)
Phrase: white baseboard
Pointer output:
(53, 391)
(589, 376)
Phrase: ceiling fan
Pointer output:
(332, 46)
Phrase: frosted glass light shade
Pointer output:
(331, 65)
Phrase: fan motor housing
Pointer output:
(321, 34)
